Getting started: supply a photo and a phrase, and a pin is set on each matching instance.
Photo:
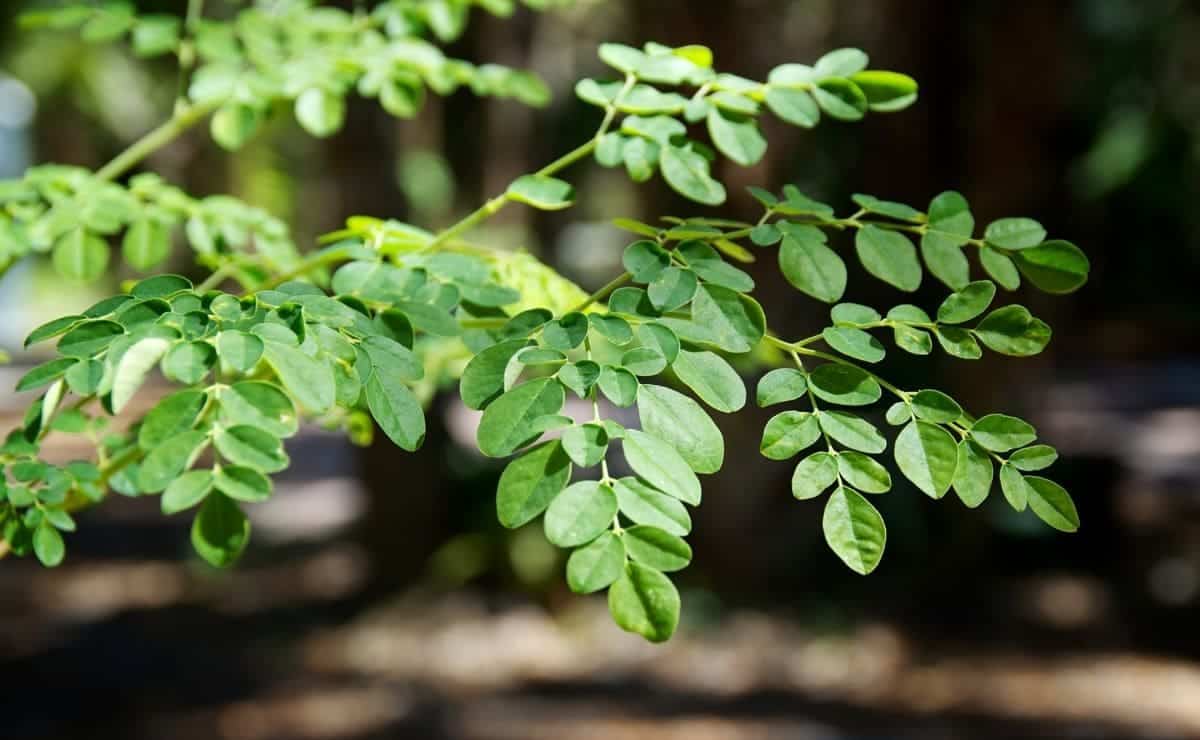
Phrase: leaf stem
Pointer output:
(497, 203)
(903, 395)
(604, 291)
(183, 119)
(307, 265)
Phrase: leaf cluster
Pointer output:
(359, 333)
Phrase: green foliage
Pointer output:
(653, 133)
(369, 326)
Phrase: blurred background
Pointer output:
(380, 598)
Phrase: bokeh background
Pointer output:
(380, 599)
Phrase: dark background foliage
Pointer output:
(1083, 114)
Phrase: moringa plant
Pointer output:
(363, 330)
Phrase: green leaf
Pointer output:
(736, 137)
(596, 565)
(958, 342)
(711, 268)
(169, 459)
(687, 172)
(259, 404)
(712, 379)
(398, 411)
(530, 482)
(851, 431)
(889, 256)
(174, 414)
(240, 350)
(1001, 433)
(580, 377)
(898, 414)
(155, 35)
(88, 338)
(672, 289)
(810, 266)
(813, 475)
(1051, 503)
(220, 531)
(659, 338)
(841, 98)
(52, 329)
(660, 129)
(1012, 330)
(147, 243)
(844, 384)
(1012, 483)
(945, 259)
(1054, 267)
(641, 158)
(854, 530)
(80, 256)
(645, 602)
(854, 343)
(889, 208)
(613, 328)
(973, 475)
(608, 149)
(320, 112)
(621, 57)
(645, 260)
(309, 380)
(788, 433)
(187, 491)
(233, 124)
(644, 361)
(645, 505)
(585, 444)
(853, 314)
(886, 92)
(46, 373)
(252, 447)
(928, 456)
(48, 545)
(733, 322)
(566, 333)
(764, 235)
(657, 548)
(1000, 267)
(1037, 457)
(429, 318)
(189, 362)
(580, 513)
(618, 385)
(841, 63)
(132, 368)
(863, 472)
(242, 483)
(391, 359)
(780, 386)
(951, 226)
(967, 303)
(483, 378)
(542, 192)
(935, 406)
(517, 417)
(682, 423)
(160, 286)
(84, 377)
(796, 107)
(1014, 233)
(635, 227)
(661, 466)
